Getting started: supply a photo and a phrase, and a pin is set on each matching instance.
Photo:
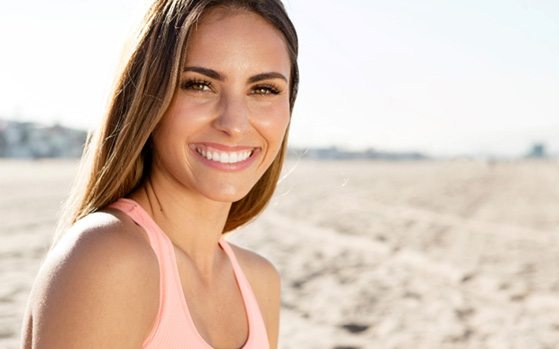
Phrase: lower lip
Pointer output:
(236, 166)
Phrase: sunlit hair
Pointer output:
(117, 157)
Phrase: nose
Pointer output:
(233, 116)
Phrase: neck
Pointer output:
(193, 223)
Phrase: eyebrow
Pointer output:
(266, 76)
(217, 76)
(205, 71)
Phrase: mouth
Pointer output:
(223, 157)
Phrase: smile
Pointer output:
(221, 156)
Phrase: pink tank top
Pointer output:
(174, 327)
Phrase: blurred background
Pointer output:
(419, 205)
(476, 78)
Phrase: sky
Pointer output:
(472, 77)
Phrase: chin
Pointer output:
(227, 194)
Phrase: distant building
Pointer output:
(31, 140)
(334, 153)
(538, 151)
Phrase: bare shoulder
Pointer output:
(98, 287)
(259, 270)
(264, 279)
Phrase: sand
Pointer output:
(434, 254)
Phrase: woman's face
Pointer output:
(230, 112)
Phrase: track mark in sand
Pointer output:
(355, 328)
(339, 271)
(346, 347)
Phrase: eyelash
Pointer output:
(190, 83)
(272, 90)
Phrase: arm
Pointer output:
(99, 291)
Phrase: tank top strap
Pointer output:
(244, 285)
(258, 334)
(157, 239)
(169, 316)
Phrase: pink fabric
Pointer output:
(174, 327)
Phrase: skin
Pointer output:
(99, 287)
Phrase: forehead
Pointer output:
(237, 41)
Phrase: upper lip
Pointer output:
(223, 147)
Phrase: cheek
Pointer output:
(273, 124)
(182, 119)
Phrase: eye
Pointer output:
(197, 85)
(265, 90)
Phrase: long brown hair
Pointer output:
(117, 156)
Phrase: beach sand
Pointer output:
(432, 254)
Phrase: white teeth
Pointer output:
(224, 157)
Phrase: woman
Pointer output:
(191, 148)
